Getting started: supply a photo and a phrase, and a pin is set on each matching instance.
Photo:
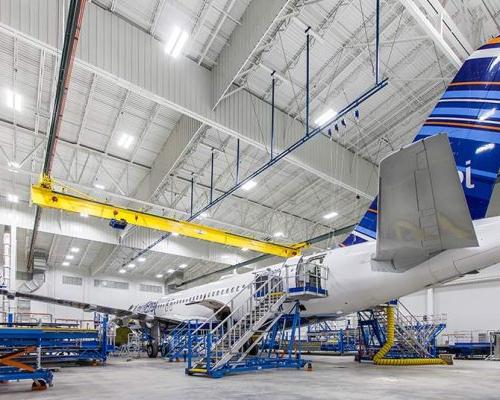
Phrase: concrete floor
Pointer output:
(332, 378)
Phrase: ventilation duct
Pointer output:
(38, 277)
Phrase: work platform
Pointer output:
(263, 329)
(391, 335)
(23, 350)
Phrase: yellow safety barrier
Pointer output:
(379, 359)
(44, 196)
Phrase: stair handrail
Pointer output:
(238, 325)
(250, 305)
(249, 301)
(231, 304)
(228, 303)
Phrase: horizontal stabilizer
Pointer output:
(421, 206)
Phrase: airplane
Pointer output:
(427, 226)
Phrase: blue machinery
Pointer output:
(308, 135)
(415, 338)
(23, 350)
(332, 339)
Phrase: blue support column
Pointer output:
(212, 179)
(237, 161)
(377, 44)
(192, 195)
(307, 80)
(272, 114)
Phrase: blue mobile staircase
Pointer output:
(252, 337)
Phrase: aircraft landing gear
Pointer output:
(152, 349)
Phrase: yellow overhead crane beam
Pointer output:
(45, 197)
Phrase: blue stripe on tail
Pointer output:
(469, 113)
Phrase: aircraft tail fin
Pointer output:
(469, 113)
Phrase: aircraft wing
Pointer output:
(118, 312)
(421, 205)
(212, 304)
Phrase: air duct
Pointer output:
(38, 277)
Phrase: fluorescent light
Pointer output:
(13, 198)
(141, 259)
(65, 264)
(131, 265)
(99, 186)
(182, 266)
(125, 141)
(122, 270)
(203, 215)
(180, 44)
(330, 215)
(170, 271)
(74, 249)
(69, 256)
(325, 117)
(175, 234)
(279, 234)
(14, 164)
(485, 147)
(244, 249)
(249, 185)
(84, 215)
(176, 42)
(159, 275)
(169, 46)
(13, 100)
(225, 256)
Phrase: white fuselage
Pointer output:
(352, 283)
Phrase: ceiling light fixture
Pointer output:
(99, 186)
(176, 42)
(13, 100)
(69, 256)
(182, 266)
(13, 198)
(122, 270)
(325, 117)
(244, 249)
(175, 234)
(249, 185)
(131, 265)
(278, 234)
(84, 215)
(330, 215)
(141, 259)
(125, 141)
(171, 271)
(65, 264)
(159, 275)
(14, 164)
(203, 215)
(74, 249)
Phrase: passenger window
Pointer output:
(232, 289)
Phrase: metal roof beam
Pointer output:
(259, 18)
(124, 54)
(446, 34)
